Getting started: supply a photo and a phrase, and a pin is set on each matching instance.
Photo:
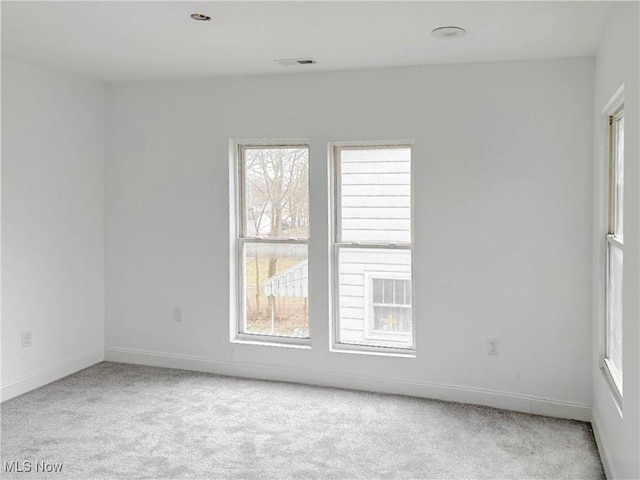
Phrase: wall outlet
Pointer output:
(492, 346)
(177, 313)
(26, 339)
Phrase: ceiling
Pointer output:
(119, 41)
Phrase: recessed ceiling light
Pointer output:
(448, 32)
(201, 17)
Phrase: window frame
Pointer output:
(369, 313)
(612, 240)
(336, 244)
(239, 320)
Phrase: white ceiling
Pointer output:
(115, 41)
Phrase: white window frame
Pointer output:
(336, 244)
(369, 317)
(238, 196)
(612, 240)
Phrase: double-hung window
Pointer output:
(614, 249)
(272, 243)
(372, 247)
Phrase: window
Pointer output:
(614, 249)
(273, 238)
(372, 248)
(389, 298)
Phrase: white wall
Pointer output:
(52, 225)
(616, 64)
(503, 224)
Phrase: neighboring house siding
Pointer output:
(376, 198)
(357, 268)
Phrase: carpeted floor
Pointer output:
(116, 421)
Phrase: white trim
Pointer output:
(600, 231)
(238, 317)
(452, 393)
(269, 142)
(47, 375)
(605, 458)
(336, 243)
(612, 239)
(265, 339)
(234, 263)
(358, 144)
(284, 342)
(613, 108)
(354, 348)
(614, 390)
(616, 100)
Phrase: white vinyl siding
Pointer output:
(356, 267)
(368, 179)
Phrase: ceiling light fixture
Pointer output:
(201, 17)
(448, 32)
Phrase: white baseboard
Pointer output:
(50, 374)
(453, 393)
(609, 469)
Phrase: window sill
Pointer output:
(615, 392)
(376, 351)
(380, 336)
(269, 341)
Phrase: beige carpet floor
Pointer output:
(116, 421)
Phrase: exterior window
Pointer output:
(614, 250)
(273, 237)
(390, 299)
(372, 250)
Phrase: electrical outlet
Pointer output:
(26, 339)
(492, 346)
(178, 314)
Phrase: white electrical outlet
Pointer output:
(492, 346)
(26, 339)
(178, 314)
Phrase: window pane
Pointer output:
(398, 292)
(619, 180)
(276, 289)
(276, 192)
(375, 191)
(378, 290)
(392, 319)
(366, 275)
(614, 314)
(387, 296)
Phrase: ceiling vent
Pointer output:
(292, 62)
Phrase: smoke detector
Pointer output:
(292, 62)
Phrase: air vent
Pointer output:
(291, 62)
